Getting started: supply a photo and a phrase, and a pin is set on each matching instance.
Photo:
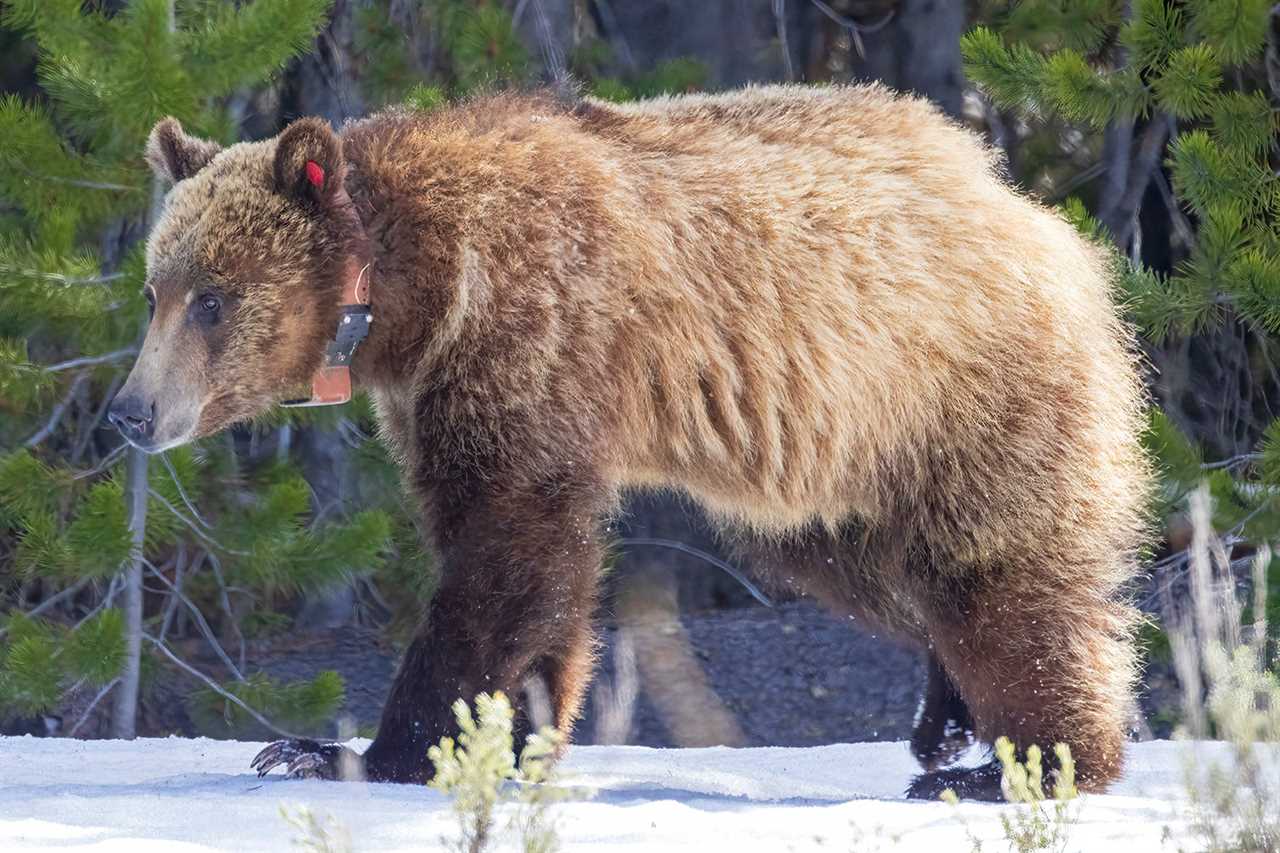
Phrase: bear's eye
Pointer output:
(210, 304)
(151, 301)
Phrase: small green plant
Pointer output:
(482, 775)
(316, 834)
(1229, 692)
(1039, 821)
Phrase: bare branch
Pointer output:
(855, 29)
(1076, 181)
(1233, 462)
(1272, 58)
(89, 710)
(55, 416)
(87, 430)
(552, 56)
(171, 606)
(61, 278)
(164, 502)
(226, 603)
(89, 360)
(780, 19)
(52, 601)
(215, 687)
(201, 622)
(112, 589)
(105, 463)
(615, 35)
(732, 571)
(1179, 219)
(182, 493)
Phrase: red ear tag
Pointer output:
(315, 174)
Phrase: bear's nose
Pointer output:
(134, 418)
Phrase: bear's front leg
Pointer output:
(520, 572)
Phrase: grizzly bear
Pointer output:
(899, 386)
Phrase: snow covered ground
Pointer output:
(175, 794)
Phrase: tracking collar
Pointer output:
(331, 383)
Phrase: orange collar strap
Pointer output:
(331, 383)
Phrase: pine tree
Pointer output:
(226, 530)
(229, 527)
(479, 49)
(1176, 97)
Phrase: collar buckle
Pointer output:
(331, 383)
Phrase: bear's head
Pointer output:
(244, 277)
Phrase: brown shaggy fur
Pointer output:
(900, 386)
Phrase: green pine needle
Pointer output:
(95, 651)
(98, 539)
(304, 704)
(1236, 29)
(1154, 32)
(31, 679)
(1010, 75)
(1189, 82)
(1210, 176)
(1244, 122)
(238, 44)
(29, 487)
(1178, 460)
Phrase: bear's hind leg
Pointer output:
(1039, 666)
(858, 572)
(944, 728)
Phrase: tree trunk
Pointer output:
(918, 50)
(124, 713)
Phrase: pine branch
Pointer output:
(1189, 82)
(1236, 29)
(244, 44)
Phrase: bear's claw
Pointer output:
(305, 758)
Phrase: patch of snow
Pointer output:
(180, 794)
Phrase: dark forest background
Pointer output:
(265, 578)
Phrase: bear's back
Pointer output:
(844, 279)
(780, 298)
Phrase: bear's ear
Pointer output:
(173, 155)
(308, 164)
